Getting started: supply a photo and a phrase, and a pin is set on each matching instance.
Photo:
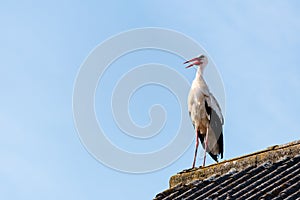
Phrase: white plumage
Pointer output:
(205, 113)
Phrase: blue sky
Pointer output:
(255, 45)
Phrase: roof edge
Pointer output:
(270, 155)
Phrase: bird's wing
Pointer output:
(213, 103)
(215, 140)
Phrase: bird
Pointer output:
(205, 113)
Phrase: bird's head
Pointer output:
(200, 61)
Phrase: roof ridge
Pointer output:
(271, 148)
(271, 154)
(270, 173)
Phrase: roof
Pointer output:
(273, 173)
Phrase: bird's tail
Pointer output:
(202, 139)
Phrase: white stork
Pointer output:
(205, 113)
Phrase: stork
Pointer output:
(205, 113)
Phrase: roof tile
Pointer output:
(270, 174)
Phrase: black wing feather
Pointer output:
(215, 157)
(216, 126)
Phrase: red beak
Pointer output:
(196, 61)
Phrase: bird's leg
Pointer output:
(196, 149)
(205, 149)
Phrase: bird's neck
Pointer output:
(199, 73)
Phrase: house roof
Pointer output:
(273, 173)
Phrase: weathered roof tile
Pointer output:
(270, 174)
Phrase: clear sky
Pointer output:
(255, 45)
